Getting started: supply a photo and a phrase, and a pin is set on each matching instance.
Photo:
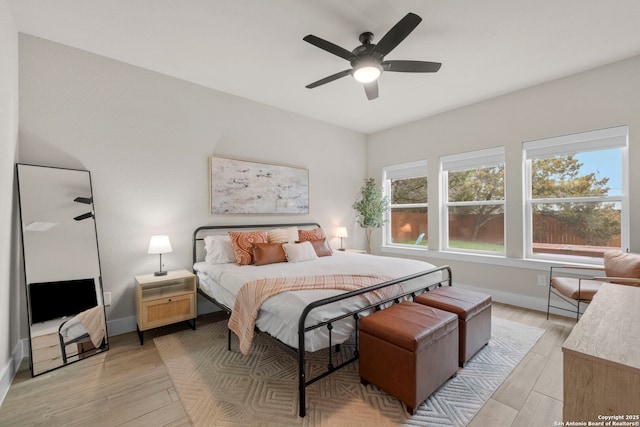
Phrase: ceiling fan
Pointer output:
(367, 60)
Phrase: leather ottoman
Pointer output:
(474, 316)
(408, 350)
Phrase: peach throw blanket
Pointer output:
(93, 322)
(254, 293)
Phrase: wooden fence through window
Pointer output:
(551, 235)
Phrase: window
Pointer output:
(576, 205)
(473, 201)
(406, 187)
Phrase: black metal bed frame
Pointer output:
(300, 352)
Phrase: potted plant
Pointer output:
(370, 208)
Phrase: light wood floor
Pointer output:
(129, 385)
(532, 394)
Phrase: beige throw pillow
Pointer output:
(299, 252)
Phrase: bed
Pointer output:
(310, 320)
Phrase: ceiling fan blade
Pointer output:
(411, 66)
(399, 32)
(328, 79)
(371, 89)
(329, 47)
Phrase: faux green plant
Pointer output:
(371, 207)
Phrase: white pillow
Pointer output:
(299, 252)
(219, 249)
(283, 235)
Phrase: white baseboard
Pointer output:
(9, 371)
(128, 324)
(518, 300)
(121, 326)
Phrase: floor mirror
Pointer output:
(65, 301)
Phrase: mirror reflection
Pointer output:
(61, 265)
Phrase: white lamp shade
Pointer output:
(159, 245)
(341, 232)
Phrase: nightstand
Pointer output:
(164, 300)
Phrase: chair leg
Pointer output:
(579, 299)
(549, 296)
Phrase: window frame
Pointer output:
(476, 159)
(596, 140)
(415, 169)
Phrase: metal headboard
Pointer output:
(201, 232)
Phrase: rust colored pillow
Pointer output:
(242, 243)
(268, 253)
(321, 247)
(313, 234)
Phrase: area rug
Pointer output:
(224, 388)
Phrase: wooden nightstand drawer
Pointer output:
(165, 311)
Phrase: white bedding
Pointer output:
(279, 314)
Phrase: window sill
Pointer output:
(531, 264)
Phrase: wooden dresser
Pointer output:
(602, 359)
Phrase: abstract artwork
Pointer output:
(240, 187)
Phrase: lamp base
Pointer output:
(160, 273)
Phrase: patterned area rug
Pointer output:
(223, 388)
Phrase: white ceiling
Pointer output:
(254, 48)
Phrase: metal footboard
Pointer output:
(303, 382)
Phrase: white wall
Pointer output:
(146, 139)
(600, 98)
(10, 327)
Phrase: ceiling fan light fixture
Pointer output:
(367, 73)
(367, 60)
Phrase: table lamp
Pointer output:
(341, 232)
(160, 245)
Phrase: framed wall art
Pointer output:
(241, 187)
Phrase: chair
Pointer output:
(419, 239)
(619, 267)
(71, 332)
(87, 329)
